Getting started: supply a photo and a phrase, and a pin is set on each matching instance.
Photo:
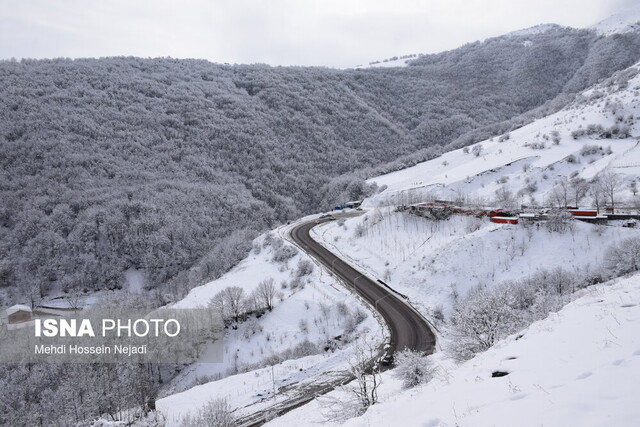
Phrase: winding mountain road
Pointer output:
(409, 330)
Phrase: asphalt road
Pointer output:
(409, 330)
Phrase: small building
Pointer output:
(504, 219)
(583, 212)
(18, 314)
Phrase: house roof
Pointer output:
(18, 307)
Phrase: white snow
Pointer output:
(251, 391)
(574, 368)
(399, 62)
(536, 29)
(560, 372)
(622, 22)
(577, 367)
(16, 308)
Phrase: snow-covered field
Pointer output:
(577, 367)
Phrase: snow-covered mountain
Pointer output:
(619, 23)
(599, 130)
(395, 61)
(622, 22)
(435, 264)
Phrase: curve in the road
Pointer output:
(408, 329)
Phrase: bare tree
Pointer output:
(482, 318)
(216, 413)
(597, 193)
(75, 298)
(413, 368)
(609, 183)
(560, 281)
(217, 302)
(230, 301)
(234, 298)
(266, 293)
(253, 302)
(559, 221)
(505, 198)
(559, 195)
(362, 392)
(579, 189)
(364, 367)
(305, 267)
(623, 258)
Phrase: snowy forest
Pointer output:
(171, 166)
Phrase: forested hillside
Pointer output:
(170, 166)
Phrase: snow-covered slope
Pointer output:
(436, 262)
(622, 22)
(396, 61)
(531, 159)
(578, 367)
(309, 308)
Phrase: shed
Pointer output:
(18, 313)
(583, 212)
(504, 219)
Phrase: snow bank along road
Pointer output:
(409, 330)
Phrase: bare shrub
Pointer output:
(305, 268)
(216, 413)
(482, 318)
(559, 221)
(624, 257)
(284, 253)
(413, 368)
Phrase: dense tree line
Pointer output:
(48, 394)
(171, 166)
